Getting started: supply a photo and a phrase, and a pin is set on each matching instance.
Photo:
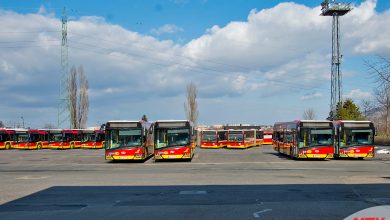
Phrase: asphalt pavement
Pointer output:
(255, 183)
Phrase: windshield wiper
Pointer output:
(128, 146)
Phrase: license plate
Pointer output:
(172, 156)
(316, 155)
(358, 155)
(123, 157)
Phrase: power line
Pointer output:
(195, 69)
(176, 55)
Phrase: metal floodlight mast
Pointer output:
(63, 110)
(335, 9)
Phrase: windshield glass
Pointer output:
(89, 137)
(167, 137)
(23, 137)
(4, 137)
(315, 137)
(359, 136)
(124, 138)
(209, 136)
(33, 137)
(68, 137)
(56, 137)
(235, 136)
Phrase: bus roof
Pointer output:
(8, 131)
(124, 121)
(172, 123)
(39, 131)
(352, 121)
(73, 131)
(127, 124)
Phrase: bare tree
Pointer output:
(309, 114)
(83, 100)
(382, 96)
(72, 97)
(366, 106)
(191, 106)
(380, 69)
(2, 124)
(78, 101)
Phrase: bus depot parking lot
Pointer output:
(256, 183)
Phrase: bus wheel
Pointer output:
(7, 146)
(39, 146)
(360, 158)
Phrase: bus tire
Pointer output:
(39, 146)
(360, 158)
(7, 146)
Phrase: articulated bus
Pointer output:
(305, 139)
(92, 139)
(213, 139)
(65, 139)
(241, 139)
(354, 139)
(7, 138)
(267, 138)
(36, 139)
(128, 140)
(174, 139)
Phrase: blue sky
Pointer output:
(253, 61)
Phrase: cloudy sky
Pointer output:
(252, 61)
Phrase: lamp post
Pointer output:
(22, 121)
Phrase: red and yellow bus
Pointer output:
(7, 138)
(65, 139)
(128, 140)
(241, 139)
(36, 139)
(174, 139)
(267, 139)
(92, 139)
(259, 137)
(354, 139)
(213, 139)
(304, 138)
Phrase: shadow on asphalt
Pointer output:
(333, 201)
(287, 157)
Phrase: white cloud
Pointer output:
(310, 96)
(358, 94)
(167, 29)
(42, 10)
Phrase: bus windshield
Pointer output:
(33, 137)
(4, 137)
(359, 136)
(124, 138)
(316, 137)
(68, 137)
(56, 137)
(23, 138)
(235, 136)
(168, 137)
(89, 137)
(209, 136)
